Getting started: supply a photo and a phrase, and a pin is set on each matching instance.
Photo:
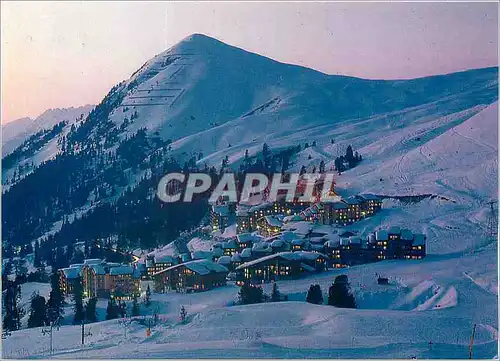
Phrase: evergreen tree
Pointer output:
(55, 308)
(12, 312)
(348, 154)
(37, 316)
(302, 170)
(147, 300)
(78, 301)
(314, 295)
(36, 256)
(275, 293)
(314, 143)
(111, 310)
(339, 294)
(135, 307)
(183, 314)
(322, 166)
(90, 310)
(266, 156)
(123, 309)
(249, 294)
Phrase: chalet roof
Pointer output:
(76, 265)
(98, 269)
(277, 243)
(272, 221)
(294, 218)
(121, 270)
(201, 255)
(199, 266)
(229, 244)
(419, 239)
(284, 255)
(260, 246)
(347, 234)
(217, 252)
(224, 260)
(311, 256)
(370, 197)
(221, 210)
(246, 253)
(92, 261)
(339, 205)
(298, 242)
(288, 236)
(382, 235)
(332, 243)
(236, 257)
(247, 237)
(406, 235)
(166, 259)
(71, 272)
(355, 240)
(307, 268)
(394, 230)
(351, 201)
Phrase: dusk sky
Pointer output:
(71, 53)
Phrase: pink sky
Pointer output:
(71, 53)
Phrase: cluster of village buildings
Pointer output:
(274, 241)
(267, 217)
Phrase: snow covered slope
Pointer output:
(435, 136)
(16, 132)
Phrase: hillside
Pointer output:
(203, 100)
(435, 137)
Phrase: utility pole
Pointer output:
(471, 345)
(50, 330)
(83, 332)
(492, 221)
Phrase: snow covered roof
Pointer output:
(288, 236)
(92, 261)
(221, 210)
(166, 259)
(285, 255)
(247, 237)
(236, 257)
(311, 256)
(307, 268)
(347, 234)
(332, 243)
(204, 267)
(199, 266)
(382, 235)
(339, 205)
(272, 221)
(229, 244)
(351, 201)
(394, 230)
(370, 197)
(246, 253)
(277, 243)
(355, 240)
(217, 252)
(76, 265)
(201, 255)
(406, 235)
(294, 218)
(224, 260)
(121, 270)
(419, 239)
(298, 242)
(71, 272)
(98, 269)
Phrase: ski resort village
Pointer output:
(396, 258)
